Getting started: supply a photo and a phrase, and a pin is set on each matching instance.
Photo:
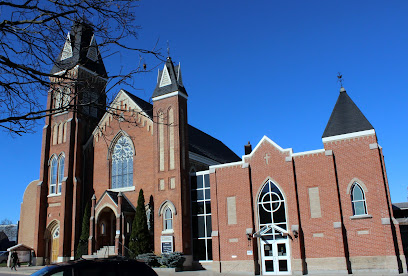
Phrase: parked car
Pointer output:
(96, 267)
(3, 256)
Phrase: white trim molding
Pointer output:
(226, 165)
(125, 189)
(168, 95)
(349, 135)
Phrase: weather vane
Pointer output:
(340, 79)
(168, 49)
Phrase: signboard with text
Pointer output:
(166, 244)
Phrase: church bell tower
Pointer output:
(76, 102)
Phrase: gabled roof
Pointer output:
(346, 117)
(169, 80)
(206, 145)
(199, 142)
(80, 49)
(126, 205)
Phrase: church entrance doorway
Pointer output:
(273, 233)
(275, 257)
(106, 228)
(55, 245)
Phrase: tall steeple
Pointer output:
(169, 80)
(80, 48)
(346, 117)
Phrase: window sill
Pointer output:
(125, 189)
(63, 112)
(168, 232)
(53, 195)
(361, 217)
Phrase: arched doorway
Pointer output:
(55, 245)
(106, 228)
(52, 236)
(274, 243)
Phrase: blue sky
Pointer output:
(254, 68)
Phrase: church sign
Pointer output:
(166, 244)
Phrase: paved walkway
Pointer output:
(28, 270)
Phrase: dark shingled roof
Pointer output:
(206, 145)
(346, 117)
(400, 206)
(175, 77)
(199, 142)
(80, 37)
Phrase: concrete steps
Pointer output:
(104, 252)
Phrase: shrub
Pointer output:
(149, 258)
(173, 259)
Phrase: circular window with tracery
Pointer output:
(271, 202)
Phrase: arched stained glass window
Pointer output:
(60, 172)
(122, 163)
(168, 219)
(272, 208)
(358, 200)
(53, 175)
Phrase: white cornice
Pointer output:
(227, 165)
(175, 93)
(349, 135)
(83, 68)
(202, 159)
(265, 138)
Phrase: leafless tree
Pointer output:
(32, 33)
(6, 221)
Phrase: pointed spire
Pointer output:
(80, 48)
(346, 117)
(169, 80)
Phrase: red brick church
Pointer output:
(271, 212)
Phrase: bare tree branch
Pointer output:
(32, 36)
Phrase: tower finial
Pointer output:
(340, 80)
(168, 49)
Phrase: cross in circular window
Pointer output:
(271, 202)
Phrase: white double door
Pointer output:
(275, 256)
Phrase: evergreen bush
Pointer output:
(149, 258)
(82, 247)
(140, 238)
(173, 259)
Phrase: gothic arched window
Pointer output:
(60, 172)
(358, 200)
(122, 163)
(168, 219)
(53, 175)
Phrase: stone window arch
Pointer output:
(358, 200)
(61, 165)
(53, 174)
(167, 210)
(122, 152)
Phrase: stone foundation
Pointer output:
(376, 264)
